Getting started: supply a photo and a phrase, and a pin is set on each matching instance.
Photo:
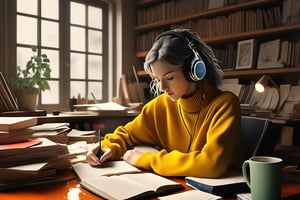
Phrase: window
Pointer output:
(74, 35)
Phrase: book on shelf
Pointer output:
(226, 186)
(127, 182)
(8, 102)
(15, 123)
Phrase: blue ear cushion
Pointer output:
(198, 70)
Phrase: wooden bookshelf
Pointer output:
(262, 34)
(242, 36)
(208, 13)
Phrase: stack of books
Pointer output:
(26, 161)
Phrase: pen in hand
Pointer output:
(100, 152)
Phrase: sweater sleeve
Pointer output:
(140, 131)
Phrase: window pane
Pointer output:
(51, 96)
(95, 41)
(50, 9)
(77, 66)
(77, 39)
(77, 12)
(50, 34)
(95, 17)
(95, 67)
(96, 89)
(54, 62)
(26, 30)
(24, 54)
(77, 88)
(27, 6)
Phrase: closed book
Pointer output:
(21, 135)
(15, 123)
(226, 186)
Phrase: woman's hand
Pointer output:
(131, 156)
(92, 158)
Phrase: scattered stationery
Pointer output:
(226, 186)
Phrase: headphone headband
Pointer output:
(197, 68)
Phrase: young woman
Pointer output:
(195, 125)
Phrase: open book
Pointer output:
(226, 186)
(126, 184)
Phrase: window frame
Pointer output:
(64, 60)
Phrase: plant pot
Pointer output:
(27, 98)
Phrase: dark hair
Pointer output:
(174, 50)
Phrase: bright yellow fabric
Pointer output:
(215, 144)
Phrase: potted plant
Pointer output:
(29, 81)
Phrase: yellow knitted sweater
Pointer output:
(196, 139)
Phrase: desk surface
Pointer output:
(71, 190)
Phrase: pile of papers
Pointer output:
(56, 132)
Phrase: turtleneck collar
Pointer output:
(193, 103)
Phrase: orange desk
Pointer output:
(71, 190)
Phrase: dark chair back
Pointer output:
(259, 136)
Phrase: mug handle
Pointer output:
(245, 175)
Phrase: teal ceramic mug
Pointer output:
(263, 175)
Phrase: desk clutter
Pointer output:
(32, 154)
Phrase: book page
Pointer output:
(191, 195)
(155, 182)
(85, 171)
(115, 187)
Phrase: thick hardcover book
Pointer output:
(16, 123)
(226, 186)
(125, 184)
